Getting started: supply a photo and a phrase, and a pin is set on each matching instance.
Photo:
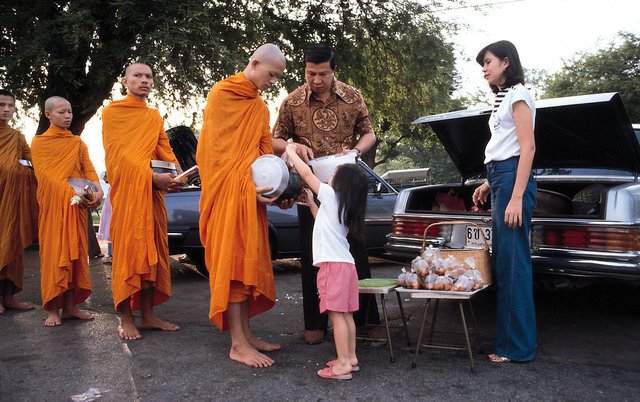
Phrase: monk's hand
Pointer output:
(261, 198)
(162, 181)
(97, 199)
(176, 185)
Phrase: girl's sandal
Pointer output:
(498, 359)
(333, 362)
(327, 372)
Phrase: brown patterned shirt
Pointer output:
(326, 127)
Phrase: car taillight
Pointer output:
(414, 227)
(587, 237)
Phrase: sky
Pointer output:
(545, 32)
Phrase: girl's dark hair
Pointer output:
(351, 186)
(501, 49)
(320, 53)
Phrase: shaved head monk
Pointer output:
(18, 207)
(57, 156)
(233, 218)
(133, 135)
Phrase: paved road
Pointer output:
(589, 349)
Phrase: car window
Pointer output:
(375, 185)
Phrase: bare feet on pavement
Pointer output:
(127, 330)
(250, 356)
(53, 318)
(156, 323)
(263, 346)
(15, 305)
(74, 312)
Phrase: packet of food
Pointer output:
(456, 273)
(430, 281)
(463, 284)
(443, 283)
(412, 281)
(469, 263)
(476, 277)
(402, 278)
(420, 267)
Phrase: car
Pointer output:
(284, 240)
(587, 219)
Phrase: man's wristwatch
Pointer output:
(358, 151)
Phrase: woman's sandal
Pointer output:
(498, 359)
(333, 362)
(327, 372)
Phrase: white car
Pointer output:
(587, 219)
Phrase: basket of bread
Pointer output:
(460, 270)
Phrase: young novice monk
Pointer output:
(18, 207)
(57, 156)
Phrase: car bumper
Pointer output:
(571, 263)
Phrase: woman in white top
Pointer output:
(509, 157)
(343, 202)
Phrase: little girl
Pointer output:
(342, 207)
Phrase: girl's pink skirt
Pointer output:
(338, 287)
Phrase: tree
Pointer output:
(392, 50)
(614, 69)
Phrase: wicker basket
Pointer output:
(480, 255)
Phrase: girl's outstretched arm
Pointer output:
(303, 169)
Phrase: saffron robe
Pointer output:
(18, 206)
(233, 224)
(133, 135)
(64, 263)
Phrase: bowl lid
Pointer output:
(270, 170)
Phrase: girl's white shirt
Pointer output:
(504, 140)
(329, 235)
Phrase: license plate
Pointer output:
(474, 236)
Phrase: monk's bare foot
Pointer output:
(74, 312)
(263, 346)
(53, 318)
(16, 305)
(154, 322)
(127, 330)
(250, 356)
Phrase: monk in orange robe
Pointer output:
(18, 207)
(133, 135)
(57, 156)
(233, 218)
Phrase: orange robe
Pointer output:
(133, 135)
(233, 225)
(64, 262)
(18, 207)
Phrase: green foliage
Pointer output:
(614, 69)
(393, 51)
